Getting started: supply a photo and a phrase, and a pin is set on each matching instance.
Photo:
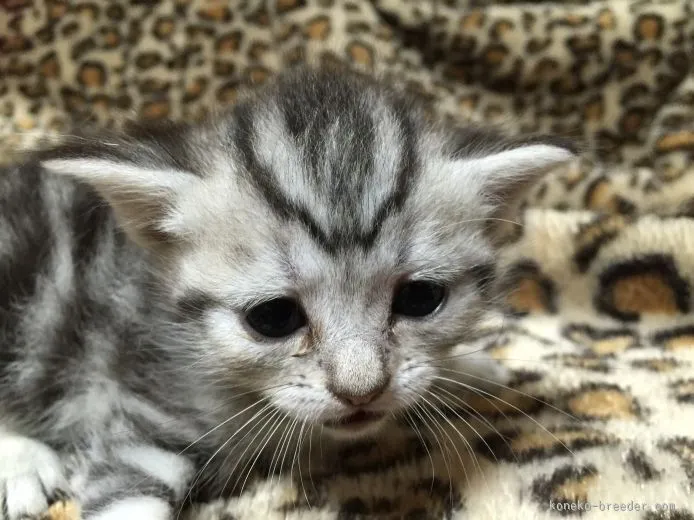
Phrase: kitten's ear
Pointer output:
(141, 194)
(505, 176)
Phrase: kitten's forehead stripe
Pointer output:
(341, 130)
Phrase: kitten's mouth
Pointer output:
(356, 420)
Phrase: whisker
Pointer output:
(525, 394)
(278, 417)
(481, 416)
(419, 410)
(453, 444)
(515, 408)
(288, 445)
(467, 423)
(413, 424)
(297, 458)
(267, 419)
(209, 460)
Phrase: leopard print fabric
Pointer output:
(600, 325)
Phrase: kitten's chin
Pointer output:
(356, 426)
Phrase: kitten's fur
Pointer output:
(118, 350)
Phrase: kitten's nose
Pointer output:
(354, 399)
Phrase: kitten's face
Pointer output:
(329, 246)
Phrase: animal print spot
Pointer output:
(506, 403)
(501, 28)
(74, 101)
(495, 54)
(318, 29)
(49, 66)
(147, 60)
(683, 140)
(682, 448)
(524, 447)
(546, 67)
(194, 89)
(15, 43)
(223, 68)
(641, 466)
(284, 6)
(57, 10)
(585, 44)
(153, 86)
(591, 237)
(678, 62)
(156, 109)
(586, 362)
(602, 402)
(468, 103)
(34, 90)
(111, 37)
(215, 12)
(648, 285)
(360, 54)
(602, 342)
(680, 338)
(625, 54)
(82, 47)
(164, 27)
(92, 74)
(601, 197)
(648, 27)
(12, 5)
(227, 93)
(115, 12)
(683, 390)
(594, 110)
(258, 75)
(566, 484)
(606, 19)
(472, 20)
(530, 290)
(633, 122)
(657, 364)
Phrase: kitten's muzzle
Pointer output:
(353, 399)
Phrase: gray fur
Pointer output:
(128, 261)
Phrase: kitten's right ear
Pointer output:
(141, 194)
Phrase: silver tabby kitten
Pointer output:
(316, 255)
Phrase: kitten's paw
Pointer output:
(135, 508)
(31, 477)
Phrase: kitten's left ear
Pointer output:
(505, 176)
(142, 191)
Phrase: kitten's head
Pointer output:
(331, 245)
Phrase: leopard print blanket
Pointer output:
(599, 333)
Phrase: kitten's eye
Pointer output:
(276, 318)
(418, 298)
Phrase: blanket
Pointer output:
(598, 329)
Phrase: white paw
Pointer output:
(31, 477)
(135, 508)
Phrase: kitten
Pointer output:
(315, 257)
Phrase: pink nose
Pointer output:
(358, 400)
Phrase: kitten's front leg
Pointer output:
(31, 476)
(135, 482)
